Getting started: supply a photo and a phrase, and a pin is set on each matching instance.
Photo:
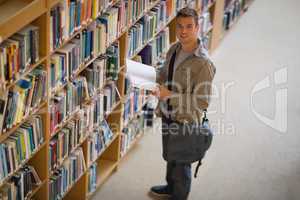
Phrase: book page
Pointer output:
(141, 75)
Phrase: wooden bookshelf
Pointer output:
(16, 14)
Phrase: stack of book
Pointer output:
(26, 95)
(98, 141)
(113, 61)
(18, 52)
(92, 182)
(19, 146)
(20, 184)
(66, 140)
(68, 101)
(63, 178)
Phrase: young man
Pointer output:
(184, 92)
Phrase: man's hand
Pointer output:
(162, 92)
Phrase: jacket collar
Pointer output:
(200, 51)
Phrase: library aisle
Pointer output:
(249, 159)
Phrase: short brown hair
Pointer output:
(188, 12)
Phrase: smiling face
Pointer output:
(186, 29)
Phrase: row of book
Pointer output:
(155, 51)
(205, 23)
(131, 132)
(111, 97)
(98, 141)
(20, 145)
(63, 178)
(18, 53)
(66, 140)
(152, 22)
(137, 7)
(232, 12)
(205, 5)
(144, 29)
(114, 20)
(21, 184)
(95, 75)
(134, 103)
(67, 17)
(18, 102)
(113, 61)
(66, 62)
(75, 98)
(67, 102)
(92, 178)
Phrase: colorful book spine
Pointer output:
(111, 97)
(98, 141)
(95, 75)
(92, 176)
(130, 133)
(205, 23)
(67, 102)
(134, 103)
(113, 61)
(21, 145)
(66, 141)
(66, 176)
(18, 52)
(28, 93)
(145, 29)
(21, 184)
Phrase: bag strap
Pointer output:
(204, 119)
(197, 168)
(170, 79)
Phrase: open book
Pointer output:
(141, 75)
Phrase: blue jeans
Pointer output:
(179, 180)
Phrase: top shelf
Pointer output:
(15, 14)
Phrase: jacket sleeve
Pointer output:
(198, 96)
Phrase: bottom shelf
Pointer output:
(104, 169)
(132, 144)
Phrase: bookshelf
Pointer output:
(64, 109)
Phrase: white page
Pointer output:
(141, 75)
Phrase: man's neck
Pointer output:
(190, 47)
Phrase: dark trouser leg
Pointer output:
(169, 179)
(179, 180)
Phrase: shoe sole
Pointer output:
(159, 195)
